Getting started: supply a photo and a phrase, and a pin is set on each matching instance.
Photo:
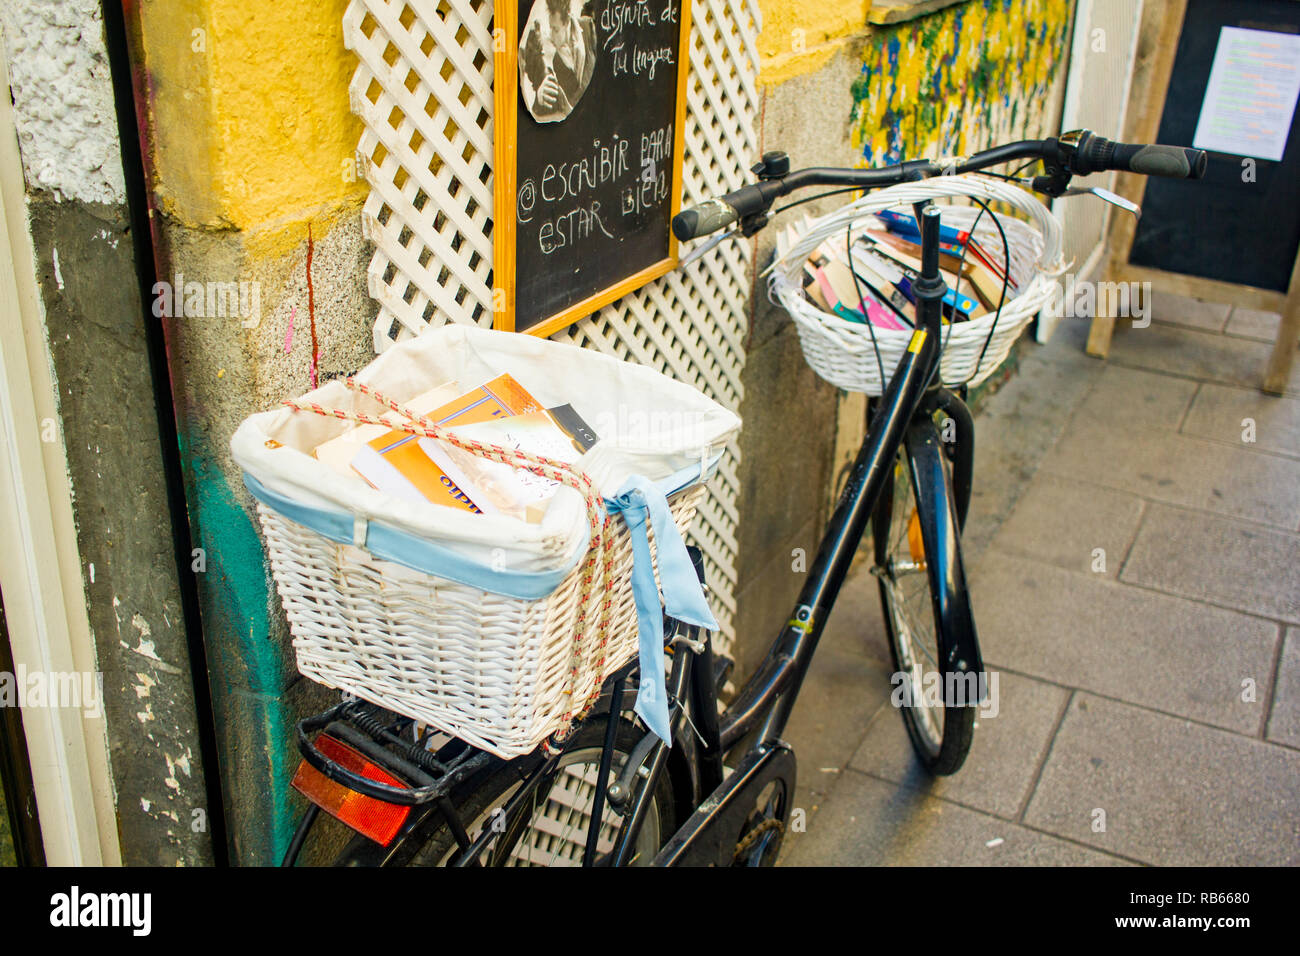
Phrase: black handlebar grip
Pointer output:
(1176, 162)
(703, 219)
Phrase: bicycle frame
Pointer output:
(721, 806)
(771, 692)
(763, 706)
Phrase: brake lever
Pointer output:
(1106, 196)
(706, 247)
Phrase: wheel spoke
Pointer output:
(552, 821)
(914, 629)
(926, 651)
(912, 641)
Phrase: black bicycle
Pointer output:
(615, 794)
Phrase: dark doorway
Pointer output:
(20, 828)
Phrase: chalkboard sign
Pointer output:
(590, 101)
(1241, 224)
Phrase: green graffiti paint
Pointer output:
(246, 668)
(959, 79)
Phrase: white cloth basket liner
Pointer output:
(648, 425)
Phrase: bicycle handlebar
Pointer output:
(709, 216)
(1097, 153)
(1076, 153)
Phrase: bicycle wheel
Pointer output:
(554, 824)
(940, 733)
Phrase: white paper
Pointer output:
(1251, 96)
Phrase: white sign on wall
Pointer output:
(1251, 97)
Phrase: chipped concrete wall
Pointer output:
(63, 102)
(108, 423)
(223, 371)
(261, 191)
(799, 37)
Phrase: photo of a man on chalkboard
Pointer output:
(557, 57)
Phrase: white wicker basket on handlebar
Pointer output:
(842, 352)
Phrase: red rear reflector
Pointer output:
(373, 818)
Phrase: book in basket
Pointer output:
(495, 487)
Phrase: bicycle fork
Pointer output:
(771, 693)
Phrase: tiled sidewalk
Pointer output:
(1120, 690)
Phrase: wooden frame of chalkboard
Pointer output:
(620, 140)
(1147, 117)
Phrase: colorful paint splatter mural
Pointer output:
(956, 81)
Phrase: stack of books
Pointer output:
(868, 276)
(499, 412)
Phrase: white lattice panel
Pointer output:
(423, 89)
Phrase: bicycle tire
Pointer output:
(940, 733)
(432, 843)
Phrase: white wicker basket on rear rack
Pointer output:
(488, 668)
(842, 352)
(483, 627)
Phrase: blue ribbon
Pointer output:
(640, 500)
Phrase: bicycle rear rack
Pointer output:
(377, 734)
(387, 739)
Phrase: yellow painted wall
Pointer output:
(250, 116)
(250, 102)
(251, 121)
(799, 36)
